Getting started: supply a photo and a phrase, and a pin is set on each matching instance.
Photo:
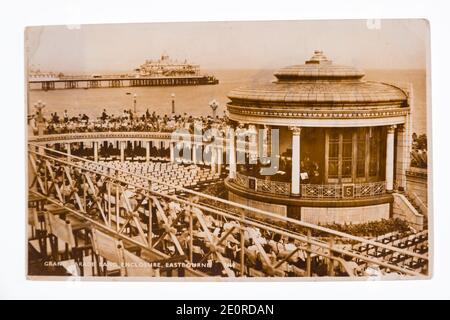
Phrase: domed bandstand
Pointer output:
(343, 143)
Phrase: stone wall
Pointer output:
(403, 209)
(270, 207)
(343, 215)
(417, 182)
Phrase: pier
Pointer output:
(118, 81)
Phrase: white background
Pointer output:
(15, 15)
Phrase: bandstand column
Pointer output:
(68, 151)
(267, 141)
(160, 146)
(253, 147)
(147, 151)
(213, 160)
(402, 158)
(194, 153)
(295, 187)
(95, 151)
(172, 153)
(201, 153)
(232, 156)
(122, 151)
(390, 159)
(219, 160)
(189, 147)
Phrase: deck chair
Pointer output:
(33, 221)
(62, 229)
(38, 237)
(109, 249)
(59, 230)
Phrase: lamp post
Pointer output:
(134, 102)
(214, 105)
(173, 103)
(39, 117)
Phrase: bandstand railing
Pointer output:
(262, 185)
(338, 191)
(99, 136)
(312, 191)
(76, 136)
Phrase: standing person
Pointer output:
(66, 116)
(130, 112)
(55, 118)
(34, 126)
(104, 115)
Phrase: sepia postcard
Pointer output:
(287, 150)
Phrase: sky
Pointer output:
(368, 44)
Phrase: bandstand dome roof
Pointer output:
(319, 81)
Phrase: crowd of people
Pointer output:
(126, 121)
(419, 153)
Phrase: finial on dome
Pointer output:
(318, 57)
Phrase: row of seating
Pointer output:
(178, 175)
(411, 241)
(132, 159)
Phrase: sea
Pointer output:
(194, 100)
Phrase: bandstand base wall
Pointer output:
(354, 215)
(270, 207)
(330, 213)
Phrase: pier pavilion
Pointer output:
(343, 144)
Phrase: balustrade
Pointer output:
(330, 191)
